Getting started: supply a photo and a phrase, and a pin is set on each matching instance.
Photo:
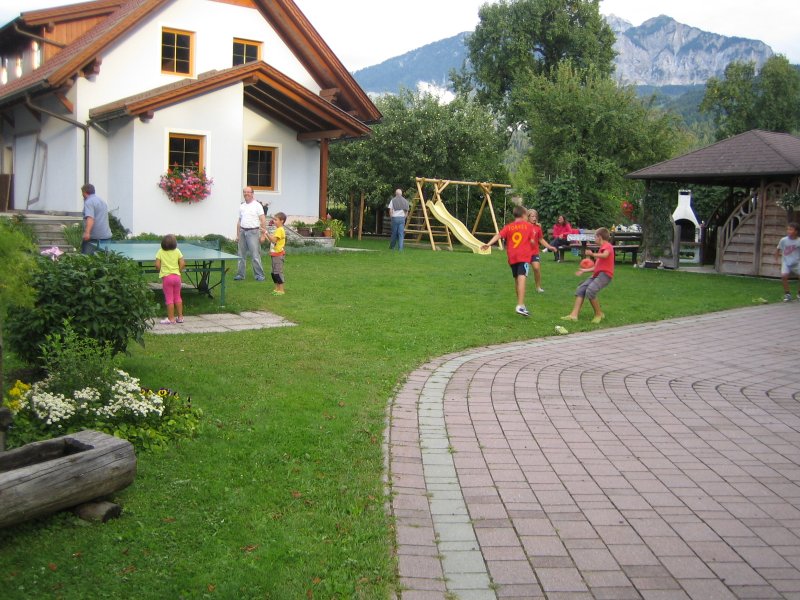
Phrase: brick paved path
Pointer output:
(652, 461)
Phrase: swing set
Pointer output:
(421, 212)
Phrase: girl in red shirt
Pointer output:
(602, 273)
(561, 230)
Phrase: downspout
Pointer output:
(38, 38)
(73, 122)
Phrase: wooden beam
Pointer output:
(65, 102)
(93, 68)
(323, 178)
(329, 94)
(147, 116)
(330, 134)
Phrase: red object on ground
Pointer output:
(587, 263)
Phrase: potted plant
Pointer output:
(303, 229)
(336, 227)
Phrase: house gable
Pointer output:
(84, 54)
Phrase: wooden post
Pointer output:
(323, 178)
(361, 216)
(352, 203)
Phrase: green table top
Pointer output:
(146, 251)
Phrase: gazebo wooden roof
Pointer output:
(742, 160)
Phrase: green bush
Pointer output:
(104, 296)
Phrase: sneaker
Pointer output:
(521, 310)
(540, 290)
(598, 318)
(569, 318)
(166, 322)
(260, 278)
(787, 298)
(277, 293)
(238, 278)
(179, 320)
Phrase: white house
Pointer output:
(113, 92)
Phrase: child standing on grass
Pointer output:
(170, 263)
(518, 236)
(538, 239)
(788, 251)
(602, 273)
(277, 242)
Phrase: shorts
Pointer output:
(592, 286)
(536, 258)
(277, 268)
(789, 269)
(518, 269)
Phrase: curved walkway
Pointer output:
(652, 461)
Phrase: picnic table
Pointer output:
(202, 259)
(624, 242)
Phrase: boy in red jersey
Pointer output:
(518, 236)
(538, 239)
(602, 273)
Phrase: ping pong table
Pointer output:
(201, 261)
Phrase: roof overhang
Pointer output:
(743, 160)
(266, 89)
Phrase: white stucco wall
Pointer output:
(297, 190)
(133, 63)
(125, 166)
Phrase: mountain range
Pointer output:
(659, 52)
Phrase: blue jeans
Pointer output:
(250, 243)
(92, 246)
(398, 233)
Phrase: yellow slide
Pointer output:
(457, 227)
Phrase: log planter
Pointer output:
(45, 477)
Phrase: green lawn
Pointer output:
(281, 495)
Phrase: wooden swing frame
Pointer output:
(440, 230)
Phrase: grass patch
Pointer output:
(281, 496)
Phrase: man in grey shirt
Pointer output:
(398, 210)
(96, 229)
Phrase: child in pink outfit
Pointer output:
(170, 263)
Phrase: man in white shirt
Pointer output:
(251, 231)
(398, 209)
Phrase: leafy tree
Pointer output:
(517, 38)
(586, 134)
(419, 137)
(742, 100)
(732, 99)
(778, 103)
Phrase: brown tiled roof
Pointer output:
(266, 89)
(43, 16)
(72, 59)
(743, 159)
(289, 22)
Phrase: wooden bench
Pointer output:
(624, 242)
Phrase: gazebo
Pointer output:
(743, 231)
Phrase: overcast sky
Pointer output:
(366, 32)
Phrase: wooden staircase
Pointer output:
(746, 242)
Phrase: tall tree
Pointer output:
(419, 137)
(586, 134)
(743, 100)
(778, 103)
(517, 38)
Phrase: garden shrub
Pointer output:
(85, 389)
(103, 295)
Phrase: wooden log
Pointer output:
(44, 477)
(98, 511)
